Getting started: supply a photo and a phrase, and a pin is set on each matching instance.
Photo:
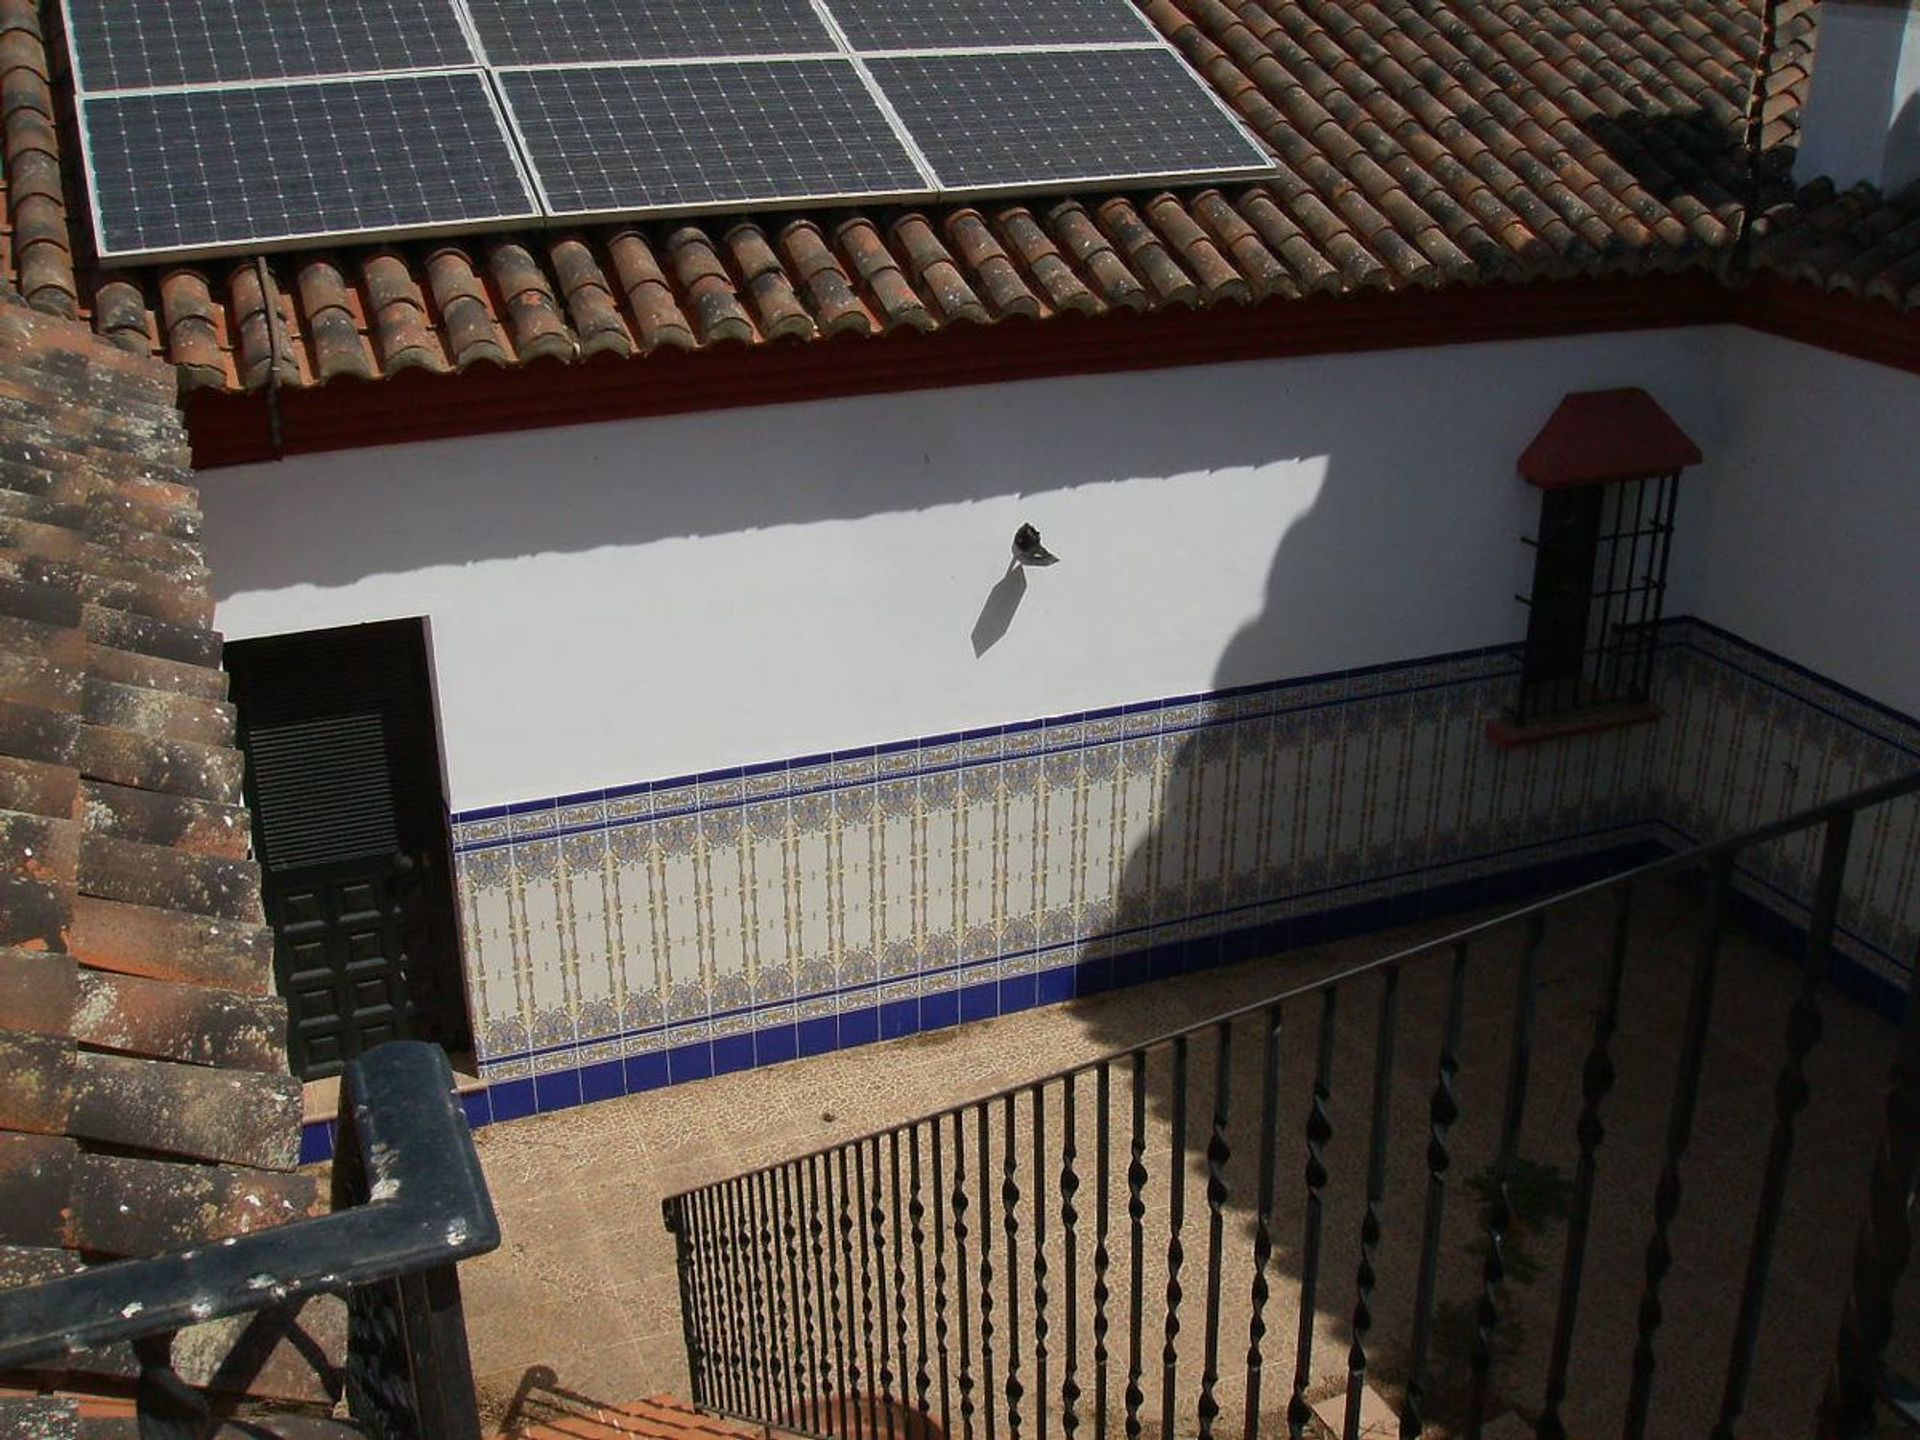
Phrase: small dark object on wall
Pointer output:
(1028, 550)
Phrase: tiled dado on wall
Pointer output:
(655, 933)
(1746, 738)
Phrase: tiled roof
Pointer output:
(145, 1102)
(1419, 143)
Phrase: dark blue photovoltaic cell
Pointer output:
(607, 139)
(135, 44)
(561, 32)
(1062, 117)
(240, 168)
(960, 24)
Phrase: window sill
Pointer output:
(1509, 734)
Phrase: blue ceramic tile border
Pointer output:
(563, 1089)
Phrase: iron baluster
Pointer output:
(867, 1214)
(1442, 1110)
(941, 1329)
(1010, 1223)
(1686, 1091)
(1069, 1231)
(917, 1218)
(1136, 1217)
(781, 1365)
(1881, 1250)
(1500, 1212)
(1263, 1215)
(1790, 1095)
(1596, 1082)
(1376, 1189)
(826, 1285)
(1101, 1258)
(806, 1361)
(1176, 1219)
(722, 1334)
(961, 1271)
(1039, 1263)
(851, 1377)
(1319, 1132)
(1219, 1152)
(899, 1276)
(984, 1148)
(673, 1211)
(757, 1321)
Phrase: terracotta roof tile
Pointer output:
(144, 1096)
(1420, 143)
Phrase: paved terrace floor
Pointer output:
(582, 1299)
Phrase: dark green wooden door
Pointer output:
(350, 828)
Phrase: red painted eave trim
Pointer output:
(229, 429)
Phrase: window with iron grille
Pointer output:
(1608, 465)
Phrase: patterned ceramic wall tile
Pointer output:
(726, 918)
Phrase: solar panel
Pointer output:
(563, 32)
(240, 168)
(1062, 117)
(620, 138)
(960, 24)
(122, 46)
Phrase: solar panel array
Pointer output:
(215, 126)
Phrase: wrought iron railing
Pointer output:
(410, 1202)
(1027, 1264)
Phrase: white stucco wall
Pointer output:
(1809, 536)
(641, 599)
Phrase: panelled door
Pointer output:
(350, 828)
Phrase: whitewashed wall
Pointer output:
(635, 600)
(1807, 540)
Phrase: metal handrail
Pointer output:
(807, 1284)
(414, 1200)
(1680, 862)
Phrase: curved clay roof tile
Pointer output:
(836, 308)
(991, 266)
(782, 316)
(708, 288)
(897, 301)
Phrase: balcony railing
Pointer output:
(1138, 1245)
(409, 1203)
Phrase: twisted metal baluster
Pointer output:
(758, 1323)
(766, 1271)
(899, 1273)
(1101, 1257)
(805, 1361)
(984, 1150)
(1596, 1082)
(1882, 1247)
(1500, 1212)
(941, 1328)
(962, 1271)
(873, 1284)
(1686, 1092)
(1069, 1230)
(722, 1273)
(1176, 1251)
(1376, 1189)
(673, 1210)
(1136, 1215)
(850, 1393)
(833, 1369)
(1219, 1152)
(1442, 1110)
(721, 1341)
(1263, 1216)
(1039, 1263)
(1790, 1098)
(917, 1218)
(1010, 1221)
(1319, 1132)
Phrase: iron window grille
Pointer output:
(1608, 466)
(1599, 587)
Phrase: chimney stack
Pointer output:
(1862, 119)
